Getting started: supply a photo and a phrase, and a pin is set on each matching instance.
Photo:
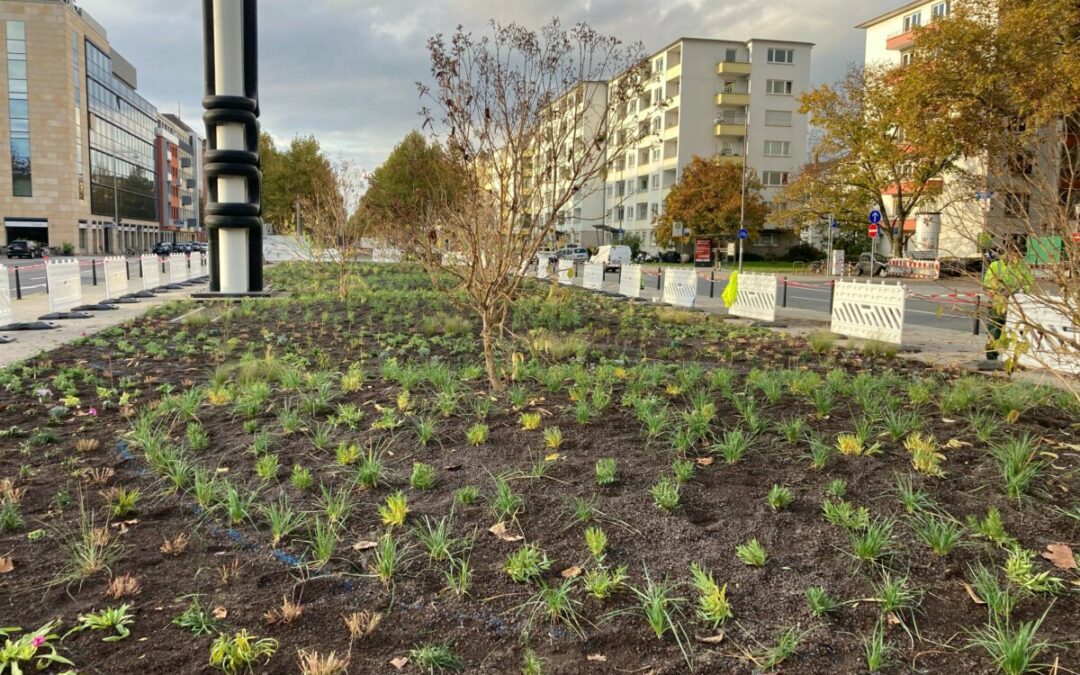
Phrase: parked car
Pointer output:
(200, 246)
(866, 261)
(163, 248)
(575, 253)
(956, 267)
(25, 249)
(612, 257)
(669, 257)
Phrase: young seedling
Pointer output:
(553, 438)
(195, 618)
(557, 605)
(436, 658)
(467, 495)
(895, 595)
(1020, 570)
(324, 539)
(267, 467)
(914, 499)
(122, 501)
(1016, 456)
(925, 456)
(301, 478)
(873, 541)
(876, 649)
(347, 454)
(786, 644)
(845, 515)
(370, 470)
(665, 493)
(792, 429)
(458, 576)
(385, 560)
(734, 445)
(423, 476)
(282, 519)
(820, 601)
(526, 564)
(505, 503)
(597, 542)
(990, 527)
(530, 421)
(999, 599)
(601, 582)
(837, 487)
(712, 607)
(425, 430)
(240, 652)
(435, 536)
(941, 534)
(394, 510)
(477, 434)
(779, 497)
(751, 553)
(115, 619)
(683, 470)
(606, 472)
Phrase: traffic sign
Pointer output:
(743, 233)
(875, 217)
(833, 224)
(873, 231)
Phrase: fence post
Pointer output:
(18, 285)
(140, 268)
(127, 269)
(93, 271)
(783, 302)
(712, 282)
(975, 319)
(659, 276)
(832, 294)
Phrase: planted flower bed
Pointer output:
(307, 485)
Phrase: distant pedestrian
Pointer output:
(1006, 276)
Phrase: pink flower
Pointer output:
(37, 641)
(92, 412)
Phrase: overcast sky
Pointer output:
(345, 70)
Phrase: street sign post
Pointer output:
(743, 234)
(832, 226)
(873, 231)
(875, 217)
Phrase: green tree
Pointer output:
(291, 175)
(819, 192)
(707, 200)
(416, 178)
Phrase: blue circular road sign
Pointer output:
(743, 233)
(875, 217)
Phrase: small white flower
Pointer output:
(43, 393)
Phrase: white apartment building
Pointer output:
(707, 98)
(953, 224)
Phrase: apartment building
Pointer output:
(732, 99)
(83, 169)
(1001, 207)
(179, 156)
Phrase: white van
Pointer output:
(612, 257)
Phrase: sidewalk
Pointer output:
(30, 343)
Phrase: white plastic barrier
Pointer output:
(630, 281)
(178, 270)
(914, 269)
(755, 297)
(1049, 335)
(151, 271)
(593, 277)
(116, 280)
(869, 311)
(680, 287)
(5, 296)
(566, 272)
(543, 269)
(65, 285)
(385, 255)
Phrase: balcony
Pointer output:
(900, 41)
(733, 98)
(737, 160)
(733, 68)
(726, 129)
(674, 71)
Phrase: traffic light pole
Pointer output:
(234, 204)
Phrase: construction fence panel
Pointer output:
(566, 272)
(630, 281)
(869, 311)
(593, 276)
(1049, 336)
(680, 287)
(178, 271)
(151, 271)
(65, 285)
(5, 296)
(755, 297)
(116, 280)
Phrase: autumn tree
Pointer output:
(895, 162)
(707, 200)
(1006, 74)
(296, 173)
(528, 117)
(415, 178)
(818, 194)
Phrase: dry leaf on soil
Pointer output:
(1061, 556)
(711, 639)
(705, 461)
(400, 662)
(220, 612)
(499, 530)
(7, 565)
(552, 457)
(364, 545)
(596, 657)
(571, 572)
(973, 595)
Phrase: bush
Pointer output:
(804, 253)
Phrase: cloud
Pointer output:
(345, 70)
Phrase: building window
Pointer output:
(907, 58)
(731, 55)
(766, 240)
(778, 87)
(658, 65)
(781, 55)
(642, 211)
(656, 154)
(778, 118)
(656, 181)
(656, 122)
(18, 110)
(1017, 205)
(1022, 164)
(774, 178)
(912, 21)
(654, 210)
(940, 10)
(777, 148)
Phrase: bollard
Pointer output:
(18, 285)
(140, 268)
(127, 269)
(93, 272)
(783, 301)
(832, 294)
(975, 319)
(659, 277)
(712, 283)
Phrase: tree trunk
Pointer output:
(488, 339)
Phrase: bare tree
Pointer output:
(333, 221)
(530, 117)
